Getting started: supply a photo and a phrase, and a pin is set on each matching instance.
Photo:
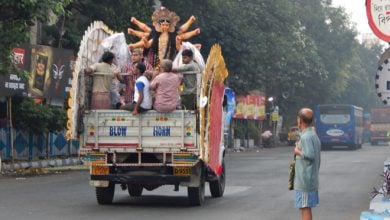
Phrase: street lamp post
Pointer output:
(271, 99)
(274, 115)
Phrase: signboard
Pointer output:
(231, 105)
(240, 111)
(378, 15)
(275, 116)
(11, 84)
(250, 107)
(50, 73)
(382, 78)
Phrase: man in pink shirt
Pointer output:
(166, 86)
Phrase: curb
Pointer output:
(9, 167)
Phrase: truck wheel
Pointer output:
(134, 190)
(217, 187)
(104, 195)
(196, 194)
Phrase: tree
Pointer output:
(115, 14)
(16, 18)
(38, 118)
(360, 89)
(264, 43)
(306, 48)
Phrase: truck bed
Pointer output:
(120, 131)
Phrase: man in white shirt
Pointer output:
(142, 97)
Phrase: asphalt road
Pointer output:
(256, 189)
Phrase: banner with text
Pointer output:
(50, 73)
(250, 107)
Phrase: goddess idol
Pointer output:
(163, 39)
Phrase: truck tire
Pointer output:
(104, 195)
(134, 190)
(196, 194)
(217, 187)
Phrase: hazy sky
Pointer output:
(356, 9)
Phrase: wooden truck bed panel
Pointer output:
(120, 129)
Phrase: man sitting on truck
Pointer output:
(166, 86)
(128, 80)
(142, 97)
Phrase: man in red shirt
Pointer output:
(129, 80)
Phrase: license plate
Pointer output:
(182, 171)
(100, 170)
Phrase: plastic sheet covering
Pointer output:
(116, 43)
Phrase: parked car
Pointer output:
(292, 135)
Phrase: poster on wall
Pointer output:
(259, 113)
(240, 112)
(50, 72)
(250, 107)
(230, 105)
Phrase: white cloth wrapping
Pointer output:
(116, 43)
(177, 62)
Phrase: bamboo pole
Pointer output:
(9, 110)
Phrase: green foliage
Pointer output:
(115, 14)
(253, 130)
(239, 131)
(360, 89)
(16, 18)
(38, 118)
(304, 47)
(247, 128)
(58, 120)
